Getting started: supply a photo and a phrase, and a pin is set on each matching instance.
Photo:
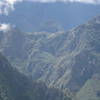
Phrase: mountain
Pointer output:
(49, 17)
(91, 90)
(16, 86)
(65, 60)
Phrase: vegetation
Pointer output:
(16, 86)
(91, 89)
(63, 60)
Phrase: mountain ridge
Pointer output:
(65, 60)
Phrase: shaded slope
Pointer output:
(15, 86)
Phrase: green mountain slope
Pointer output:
(91, 89)
(65, 60)
(15, 86)
(75, 56)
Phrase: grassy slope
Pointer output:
(91, 89)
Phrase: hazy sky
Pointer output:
(84, 1)
(7, 5)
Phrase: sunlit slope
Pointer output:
(91, 89)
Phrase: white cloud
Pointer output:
(87, 1)
(4, 27)
(83, 1)
(8, 5)
(13, 1)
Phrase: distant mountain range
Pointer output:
(68, 60)
(49, 17)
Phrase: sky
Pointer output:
(84, 1)
(8, 5)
